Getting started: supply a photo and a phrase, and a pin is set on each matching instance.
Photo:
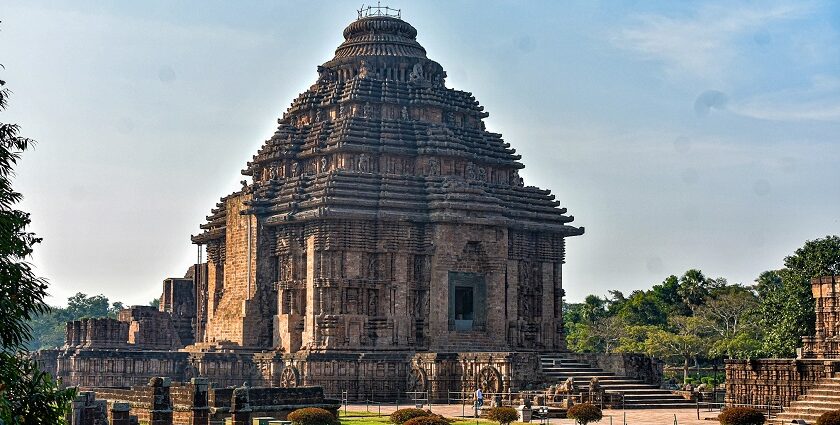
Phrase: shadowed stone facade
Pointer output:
(383, 242)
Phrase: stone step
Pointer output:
(637, 394)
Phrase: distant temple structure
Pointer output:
(383, 241)
(802, 385)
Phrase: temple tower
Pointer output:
(382, 215)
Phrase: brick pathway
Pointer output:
(634, 417)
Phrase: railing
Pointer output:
(366, 12)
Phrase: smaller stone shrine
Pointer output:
(783, 381)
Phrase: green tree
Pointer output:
(685, 341)
(694, 288)
(787, 309)
(730, 314)
(643, 308)
(27, 395)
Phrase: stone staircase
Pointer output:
(637, 394)
(821, 398)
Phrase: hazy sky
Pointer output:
(680, 134)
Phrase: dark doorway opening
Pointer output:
(464, 308)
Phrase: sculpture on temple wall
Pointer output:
(469, 172)
(363, 70)
(482, 173)
(341, 110)
(364, 163)
(319, 116)
(416, 73)
(404, 113)
(366, 112)
(324, 163)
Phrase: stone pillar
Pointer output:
(240, 407)
(120, 414)
(77, 408)
(161, 411)
(200, 405)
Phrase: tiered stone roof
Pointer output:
(379, 135)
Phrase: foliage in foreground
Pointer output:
(428, 420)
(503, 415)
(741, 416)
(312, 416)
(585, 413)
(27, 395)
(403, 415)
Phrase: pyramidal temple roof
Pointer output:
(380, 136)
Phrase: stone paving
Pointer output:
(611, 417)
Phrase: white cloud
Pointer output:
(818, 102)
(702, 45)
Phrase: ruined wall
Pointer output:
(178, 299)
(149, 328)
(635, 366)
(778, 381)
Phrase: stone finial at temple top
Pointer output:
(378, 10)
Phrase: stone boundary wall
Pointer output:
(383, 376)
(778, 381)
(631, 365)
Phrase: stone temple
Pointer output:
(383, 241)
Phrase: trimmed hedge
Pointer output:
(503, 415)
(829, 418)
(585, 413)
(428, 420)
(401, 416)
(312, 416)
(741, 416)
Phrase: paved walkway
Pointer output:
(611, 417)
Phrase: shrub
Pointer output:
(312, 416)
(741, 416)
(829, 418)
(585, 413)
(428, 420)
(403, 415)
(503, 415)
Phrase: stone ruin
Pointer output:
(383, 242)
(160, 402)
(781, 381)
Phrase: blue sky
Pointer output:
(680, 134)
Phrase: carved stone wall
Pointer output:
(776, 380)
(826, 341)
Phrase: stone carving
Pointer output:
(363, 70)
(482, 174)
(489, 380)
(469, 172)
(341, 110)
(289, 377)
(324, 163)
(366, 112)
(319, 116)
(417, 380)
(416, 73)
(295, 169)
(434, 167)
(364, 163)
(404, 113)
